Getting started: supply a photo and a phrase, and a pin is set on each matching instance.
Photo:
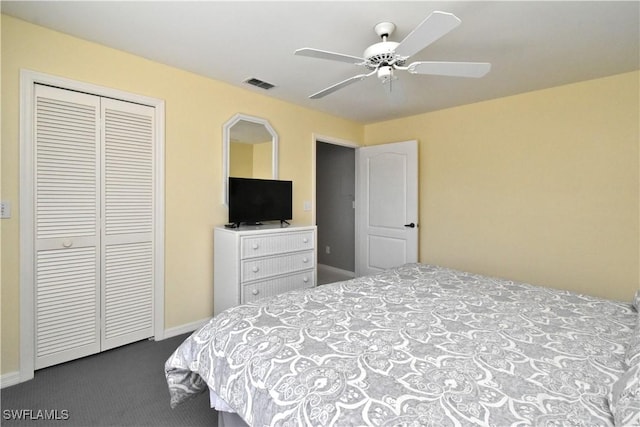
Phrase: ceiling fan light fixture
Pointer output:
(385, 73)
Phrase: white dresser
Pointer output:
(253, 262)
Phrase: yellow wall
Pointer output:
(248, 160)
(262, 164)
(540, 187)
(196, 109)
(241, 160)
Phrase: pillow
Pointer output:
(624, 398)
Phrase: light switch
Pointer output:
(5, 209)
(307, 205)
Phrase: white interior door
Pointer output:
(128, 222)
(94, 224)
(66, 212)
(386, 206)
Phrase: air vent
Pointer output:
(259, 83)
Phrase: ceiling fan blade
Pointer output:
(456, 69)
(323, 54)
(340, 85)
(436, 25)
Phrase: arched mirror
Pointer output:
(249, 150)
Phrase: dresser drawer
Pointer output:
(277, 285)
(276, 243)
(258, 268)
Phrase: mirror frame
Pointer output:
(226, 140)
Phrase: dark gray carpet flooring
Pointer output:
(124, 386)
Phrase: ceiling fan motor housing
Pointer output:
(383, 53)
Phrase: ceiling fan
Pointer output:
(385, 57)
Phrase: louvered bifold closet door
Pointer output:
(66, 200)
(128, 222)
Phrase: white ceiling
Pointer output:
(531, 45)
(249, 133)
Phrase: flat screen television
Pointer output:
(252, 200)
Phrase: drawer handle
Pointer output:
(255, 246)
(305, 240)
(255, 292)
(255, 269)
(305, 279)
(67, 243)
(305, 260)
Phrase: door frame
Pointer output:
(28, 80)
(358, 183)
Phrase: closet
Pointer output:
(93, 210)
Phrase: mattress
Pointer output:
(415, 345)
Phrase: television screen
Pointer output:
(253, 200)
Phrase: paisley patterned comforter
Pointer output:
(416, 345)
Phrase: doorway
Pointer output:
(335, 210)
(366, 207)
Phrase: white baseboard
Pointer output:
(9, 379)
(183, 329)
(329, 268)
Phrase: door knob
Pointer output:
(410, 225)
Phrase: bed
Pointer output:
(418, 345)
